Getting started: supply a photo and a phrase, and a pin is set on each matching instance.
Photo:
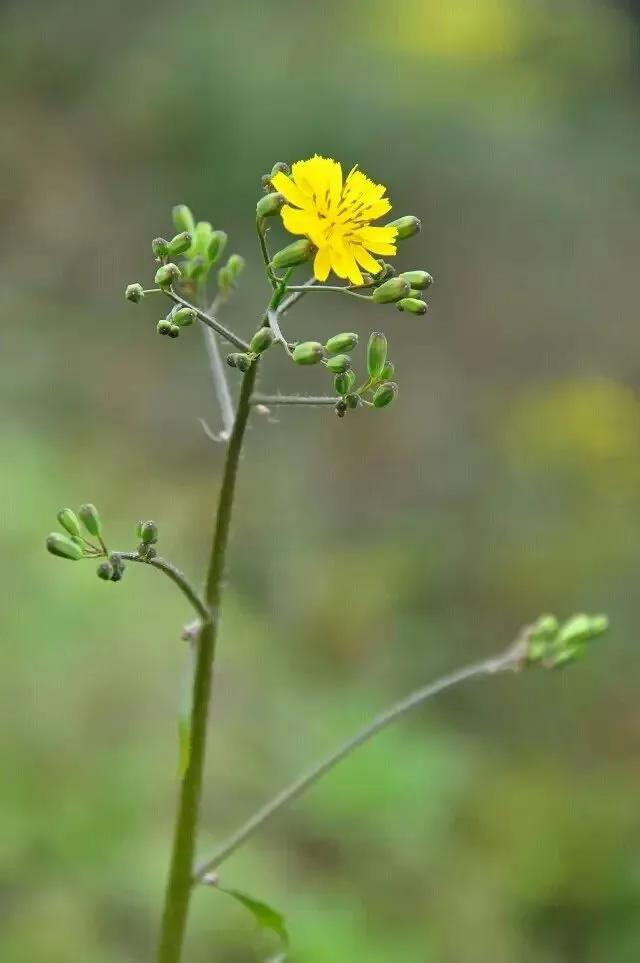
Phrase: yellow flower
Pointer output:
(336, 216)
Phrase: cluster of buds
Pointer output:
(404, 290)
(199, 249)
(75, 545)
(553, 644)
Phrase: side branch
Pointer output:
(293, 400)
(177, 577)
(211, 322)
(510, 660)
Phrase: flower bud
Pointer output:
(117, 565)
(296, 253)
(202, 234)
(341, 342)
(167, 274)
(412, 305)
(197, 267)
(376, 354)
(183, 317)
(406, 226)
(344, 382)
(149, 533)
(240, 361)
(392, 290)
(216, 245)
(64, 547)
(69, 521)
(308, 352)
(341, 408)
(180, 244)
(582, 628)
(235, 265)
(174, 331)
(182, 219)
(134, 292)
(388, 371)
(269, 205)
(385, 394)
(160, 247)
(280, 167)
(262, 339)
(339, 363)
(420, 280)
(164, 326)
(386, 271)
(104, 571)
(91, 519)
(352, 400)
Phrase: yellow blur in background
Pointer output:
(368, 555)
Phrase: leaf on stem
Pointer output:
(265, 916)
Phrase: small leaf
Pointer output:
(266, 917)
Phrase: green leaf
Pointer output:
(266, 917)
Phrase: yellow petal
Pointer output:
(353, 271)
(365, 259)
(322, 264)
(289, 190)
(295, 221)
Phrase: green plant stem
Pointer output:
(179, 882)
(300, 289)
(293, 400)
(265, 253)
(512, 659)
(177, 577)
(225, 333)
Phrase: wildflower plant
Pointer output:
(335, 222)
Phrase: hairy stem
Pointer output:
(179, 882)
(177, 577)
(211, 322)
(510, 660)
(293, 400)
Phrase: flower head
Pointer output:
(336, 215)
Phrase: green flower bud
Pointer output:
(202, 235)
(339, 363)
(197, 267)
(386, 271)
(582, 628)
(407, 226)
(240, 361)
(69, 521)
(341, 408)
(164, 326)
(262, 339)
(117, 565)
(280, 167)
(149, 533)
(352, 401)
(413, 305)
(64, 547)
(91, 519)
(134, 292)
(269, 205)
(420, 280)
(104, 571)
(235, 265)
(183, 317)
(167, 274)
(544, 629)
(341, 342)
(376, 354)
(216, 245)
(296, 253)
(344, 382)
(180, 244)
(308, 352)
(388, 371)
(174, 331)
(182, 219)
(385, 394)
(160, 247)
(390, 291)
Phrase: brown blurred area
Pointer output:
(370, 554)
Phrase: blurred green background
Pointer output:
(499, 824)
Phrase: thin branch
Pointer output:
(265, 253)
(225, 333)
(176, 576)
(292, 400)
(512, 660)
(220, 384)
(295, 297)
(305, 289)
(274, 324)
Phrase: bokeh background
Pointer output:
(499, 824)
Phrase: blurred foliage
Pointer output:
(500, 824)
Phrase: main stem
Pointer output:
(179, 882)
